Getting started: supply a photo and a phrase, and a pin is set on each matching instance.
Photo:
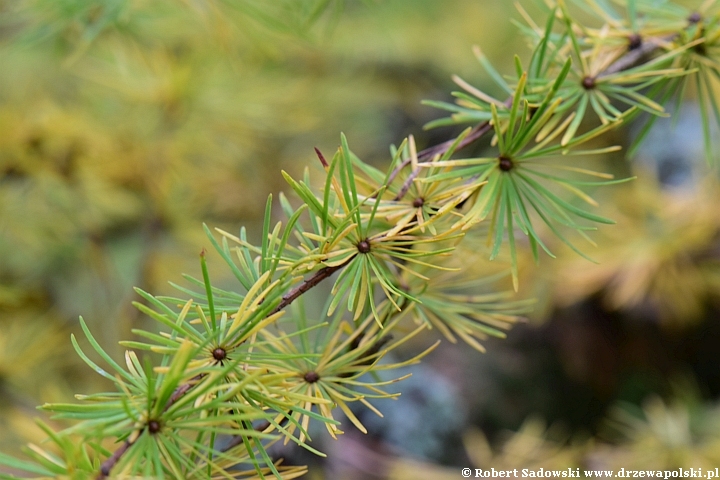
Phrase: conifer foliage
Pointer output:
(229, 372)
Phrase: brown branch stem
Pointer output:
(429, 153)
(425, 155)
(108, 464)
(307, 284)
(635, 56)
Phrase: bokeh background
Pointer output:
(126, 124)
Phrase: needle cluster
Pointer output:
(229, 372)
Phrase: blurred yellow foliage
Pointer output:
(659, 258)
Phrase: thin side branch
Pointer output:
(429, 153)
(110, 463)
(307, 284)
(636, 56)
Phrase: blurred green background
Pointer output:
(126, 124)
